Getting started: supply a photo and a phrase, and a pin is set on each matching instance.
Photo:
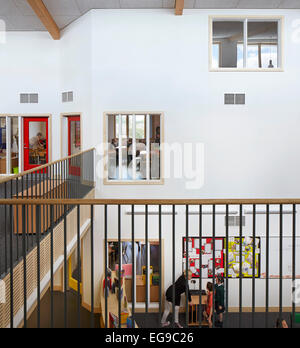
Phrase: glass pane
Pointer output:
(262, 44)
(229, 34)
(15, 145)
(140, 127)
(2, 145)
(216, 55)
(37, 143)
(75, 137)
(155, 141)
(113, 143)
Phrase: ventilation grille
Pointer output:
(67, 97)
(234, 99)
(29, 98)
(235, 221)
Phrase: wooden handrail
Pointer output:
(260, 201)
(16, 176)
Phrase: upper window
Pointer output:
(133, 148)
(246, 44)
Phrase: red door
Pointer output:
(74, 144)
(35, 142)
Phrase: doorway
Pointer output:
(74, 143)
(35, 142)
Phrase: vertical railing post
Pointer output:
(294, 263)
(65, 267)
(147, 259)
(51, 267)
(226, 263)
(79, 267)
(253, 264)
(187, 269)
(106, 265)
(280, 260)
(160, 263)
(120, 264)
(24, 264)
(133, 265)
(92, 268)
(267, 263)
(200, 265)
(38, 230)
(173, 263)
(214, 262)
(241, 267)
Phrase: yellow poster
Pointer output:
(234, 262)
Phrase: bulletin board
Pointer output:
(247, 257)
(206, 250)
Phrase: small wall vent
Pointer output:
(234, 99)
(234, 221)
(29, 98)
(67, 97)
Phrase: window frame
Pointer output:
(244, 18)
(106, 180)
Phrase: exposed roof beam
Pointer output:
(45, 17)
(179, 5)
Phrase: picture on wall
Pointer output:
(220, 257)
(206, 250)
(247, 257)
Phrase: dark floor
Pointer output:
(75, 190)
(152, 320)
(72, 313)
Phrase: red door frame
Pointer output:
(73, 169)
(26, 121)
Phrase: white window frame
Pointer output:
(279, 19)
(133, 181)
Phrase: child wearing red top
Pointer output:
(209, 304)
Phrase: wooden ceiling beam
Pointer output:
(179, 5)
(45, 17)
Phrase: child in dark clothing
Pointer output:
(219, 300)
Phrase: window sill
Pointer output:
(133, 182)
(246, 70)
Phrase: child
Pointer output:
(219, 301)
(208, 313)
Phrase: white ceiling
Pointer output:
(18, 15)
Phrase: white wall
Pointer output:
(29, 64)
(152, 60)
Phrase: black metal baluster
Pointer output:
(65, 268)
(241, 268)
(5, 226)
(133, 265)
(200, 265)
(160, 263)
(24, 265)
(294, 262)
(267, 262)
(106, 265)
(147, 259)
(226, 263)
(11, 269)
(51, 266)
(173, 263)
(214, 262)
(280, 261)
(187, 269)
(17, 218)
(92, 268)
(38, 229)
(253, 265)
(120, 264)
(79, 265)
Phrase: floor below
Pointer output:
(72, 313)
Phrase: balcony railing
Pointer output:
(258, 262)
